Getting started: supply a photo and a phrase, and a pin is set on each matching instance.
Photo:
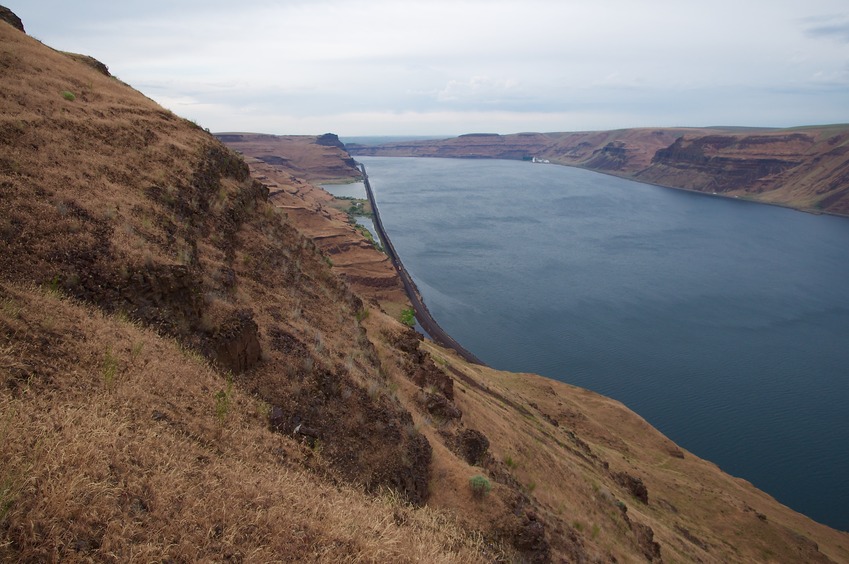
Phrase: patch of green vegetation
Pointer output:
(578, 525)
(53, 287)
(109, 369)
(69, 96)
(480, 486)
(408, 317)
(512, 464)
(222, 400)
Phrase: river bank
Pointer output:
(423, 316)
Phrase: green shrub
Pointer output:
(408, 317)
(69, 96)
(480, 485)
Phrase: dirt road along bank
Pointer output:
(423, 316)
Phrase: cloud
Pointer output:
(478, 89)
(838, 30)
(522, 65)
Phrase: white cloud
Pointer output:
(479, 89)
(587, 64)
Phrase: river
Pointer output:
(722, 322)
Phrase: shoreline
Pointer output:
(423, 315)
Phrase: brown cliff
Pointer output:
(805, 168)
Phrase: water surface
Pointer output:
(724, 323)
(352, 190)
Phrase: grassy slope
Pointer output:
(114, 447)
(113, 202)
(132, 242)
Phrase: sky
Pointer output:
(437, 67)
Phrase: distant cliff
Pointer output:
(322, 159)
(805, 168)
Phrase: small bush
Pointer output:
(69, 96)
(408, 317)
(480, 485)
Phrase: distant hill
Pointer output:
(805, 167)
(189, 372)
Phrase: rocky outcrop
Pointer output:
(632, 485)
(366, 438)
(11, 18)
(472, 446)
(330, 140)
(234, 345)
(612, 156)
(644, 536)
(419, 365)
(721, 163)
(90, 61)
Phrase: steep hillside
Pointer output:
(185, 377)
(112, 202)
(805, 168)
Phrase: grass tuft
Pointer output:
(480, 486)
(109, 368)
(223, 401)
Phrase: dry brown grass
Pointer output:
(141, 468)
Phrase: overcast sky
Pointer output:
(437, 67)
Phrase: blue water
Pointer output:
(352, 190)
(368, 223)
(724, 323)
